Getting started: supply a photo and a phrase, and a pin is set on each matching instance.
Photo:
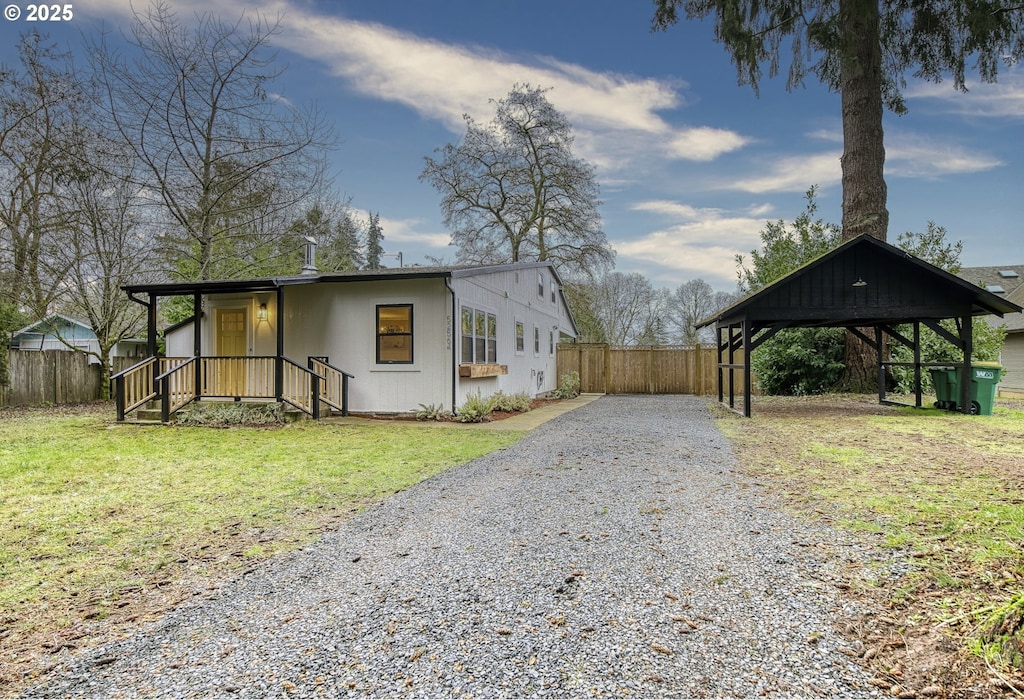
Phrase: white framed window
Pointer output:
(540, 285)
(520, 337)
(536, 340)
(479, 336)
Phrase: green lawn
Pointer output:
(96, 514)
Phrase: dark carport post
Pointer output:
(967, 335)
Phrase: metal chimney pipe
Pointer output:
(309, 268)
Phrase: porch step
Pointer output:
(148, 415)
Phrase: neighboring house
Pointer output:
(1006, 281)
(59, 332)
(405, 337)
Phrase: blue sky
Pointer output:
(691, 165)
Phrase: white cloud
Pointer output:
(915, 155)
(704, 143)
(1003, 99)
(404, 231)
(794, 174)
(407, 231)
(614, 116)
(703, 244)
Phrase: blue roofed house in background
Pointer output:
(59, 332)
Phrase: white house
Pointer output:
(396, 338)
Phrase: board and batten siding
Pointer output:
(513, 296)
(338, 320)
(1012, 356)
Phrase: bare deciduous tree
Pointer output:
(619, 309)
(220, 150)
(106, 245)
(690, 303)
(39, 145)
(513, 191)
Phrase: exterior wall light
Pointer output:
(860, 282)
(261, 313)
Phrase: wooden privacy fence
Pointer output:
(656, 369)
(52, 377)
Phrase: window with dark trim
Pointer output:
(394, 334)
(479, 336)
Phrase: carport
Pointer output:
(868, 287)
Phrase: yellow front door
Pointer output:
(232, 342)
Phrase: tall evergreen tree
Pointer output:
(374, 249)
(862, 49)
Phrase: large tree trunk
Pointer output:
(864, 191)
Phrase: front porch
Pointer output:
(175, 382)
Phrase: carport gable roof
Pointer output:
(864, 282)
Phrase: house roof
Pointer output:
(269, 283)
(45, 325)
(891, 287)
(390, 273)
(1007, 278)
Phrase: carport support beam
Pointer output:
(746, 369)
(967, 338)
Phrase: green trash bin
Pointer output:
(947, 387)
(984, 378)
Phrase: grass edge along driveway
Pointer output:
(111, 525)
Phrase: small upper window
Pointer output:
(540, 285)
(553, 291)
(394, 334)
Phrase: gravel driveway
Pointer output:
(614, 551)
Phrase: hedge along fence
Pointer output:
(53, 377)
(655, 369)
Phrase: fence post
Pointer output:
(607, 368)
(315, 386)
(344, 394)
(698, 366)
